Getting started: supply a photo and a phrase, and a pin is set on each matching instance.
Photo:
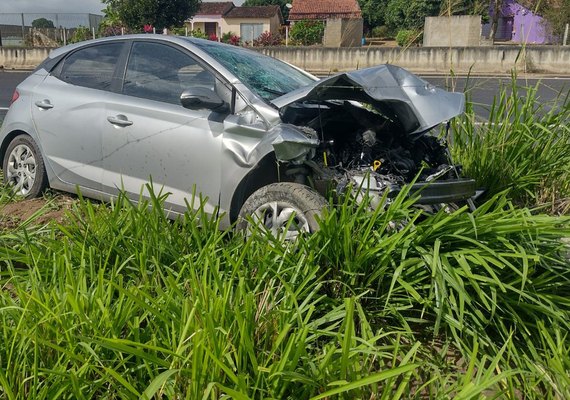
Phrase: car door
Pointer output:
(149, 136)
(68, 112)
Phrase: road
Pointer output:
(481, 89)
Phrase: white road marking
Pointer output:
(3, 108)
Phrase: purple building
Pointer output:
(518, 24)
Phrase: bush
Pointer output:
(380, 32)
(407, 37)
(268, 39)
(80, 34)
(231, 38)
(307, 33)
(179, 31)
(198, 34)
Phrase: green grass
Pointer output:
(522, 147)
(122, 303)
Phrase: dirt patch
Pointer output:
(35, 211)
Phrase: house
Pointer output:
(518, 24)
(210, 16)
(250, 22)
(218, 18)
(343, 18)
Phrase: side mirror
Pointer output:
(199, 98)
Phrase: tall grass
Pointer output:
(122, 303)
(523, 147)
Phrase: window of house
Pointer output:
(250, 32)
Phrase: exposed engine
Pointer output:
(357, 142)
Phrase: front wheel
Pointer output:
(23, 167)
(285, 209)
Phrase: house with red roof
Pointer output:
(218, 18)
(343, 18)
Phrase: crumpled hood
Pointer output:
(398, 94)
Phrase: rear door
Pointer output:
(68, 113)
(149, 136)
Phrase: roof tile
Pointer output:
(323, 9)
(254, 12)
(215, 8)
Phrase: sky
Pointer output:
(56, 6)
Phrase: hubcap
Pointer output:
(21, 170)
(282, 220)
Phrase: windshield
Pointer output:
(267, 77)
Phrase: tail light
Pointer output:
(15, 97)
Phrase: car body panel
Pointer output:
(401, 95)
(72, 149)
(167, 144)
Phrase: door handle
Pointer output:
(44, 104)
(119, 120)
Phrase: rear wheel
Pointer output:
(23, 167)
(285, 209)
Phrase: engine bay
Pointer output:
(359, 145)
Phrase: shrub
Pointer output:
(80, 34)
(179, 31)
(307, 33)
(231, 38)
(213, 37)
(113, 30)
(198, 34)
(380, 32)
(268, 39)
(407, 37)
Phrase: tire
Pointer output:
(24, 168)
(273, 206)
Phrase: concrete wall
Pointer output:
(343, 32)
(21, 58)
(455, 31)
(496, 59)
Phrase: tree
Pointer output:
(42, 23)
(555, 12)
(159, 13)
(373, 12)
(281, 3)
(410, 14)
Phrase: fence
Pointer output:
(45, 30)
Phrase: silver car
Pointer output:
(251, 134)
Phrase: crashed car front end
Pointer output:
(370, 129)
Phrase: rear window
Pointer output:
(92, 67)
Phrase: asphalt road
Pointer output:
(481, 89)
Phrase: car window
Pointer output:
(92, 67)
(268, 77)
(160, 72)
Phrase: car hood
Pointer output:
(396, 93)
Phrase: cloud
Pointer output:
(52, 6)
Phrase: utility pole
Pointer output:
(565, 35)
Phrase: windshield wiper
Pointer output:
(272, 91)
